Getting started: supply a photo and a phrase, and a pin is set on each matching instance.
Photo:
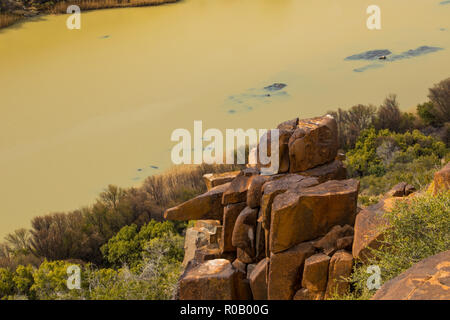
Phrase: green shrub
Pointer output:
(6, 283)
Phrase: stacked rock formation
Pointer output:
(284, 236)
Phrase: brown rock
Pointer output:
(237, 190)
(243, 291)
(315, 273)
(328, 244)
(285, 271)
(398, 190)
(230, 215)
(260, 239)
(369, 227)
(409, 189)
(205, 206)
(254, 192)
(206, 253)
(308, 213)
(244, 231)
(341, 264)
(216, 179)
(211, 280)
(283, 150)
(258, 281)
(427, 280)
(244, 256)
(442, 179)
(330, 171)
(313, 143)
(344, 243)
(273, 188)
(214, 229)
(288, 125)
(306, 294)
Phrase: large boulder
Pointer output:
(230, 215)
(237, 189)
(313, 143)
(285, 271)
(442, 179)
(427, 280)
(213, 180)
(258, 281)
(339, 271)
(370, 224)
(274, 188)
(307, 213)
(211, 280)
(335, 170)
(205, 206)
(315, 273)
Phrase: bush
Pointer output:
(376, 153)
(6, 283)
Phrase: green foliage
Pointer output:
(418, 229)
(23, 281)
(6, 283)
(378, 152)
(50, 280)
(427, 114)
(128, 245)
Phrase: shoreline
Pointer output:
(17, 15)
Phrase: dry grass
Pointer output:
(61, 7)
(180, 183)
(8, 19)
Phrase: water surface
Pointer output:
(83, 109)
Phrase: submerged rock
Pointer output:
(275, 87)
(369, 55)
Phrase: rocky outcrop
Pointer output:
(313, 143)
(212, 280)
(427, 280)
(304, 214)
(213, 180)
(280, 236)
(203, 207)
(370, 224)
(341, 265)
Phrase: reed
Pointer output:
(61, 7)
(7, 19)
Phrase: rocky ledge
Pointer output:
(292, 235)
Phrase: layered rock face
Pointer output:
(284, 236)
(427, 280)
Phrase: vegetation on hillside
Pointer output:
(419, 228)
